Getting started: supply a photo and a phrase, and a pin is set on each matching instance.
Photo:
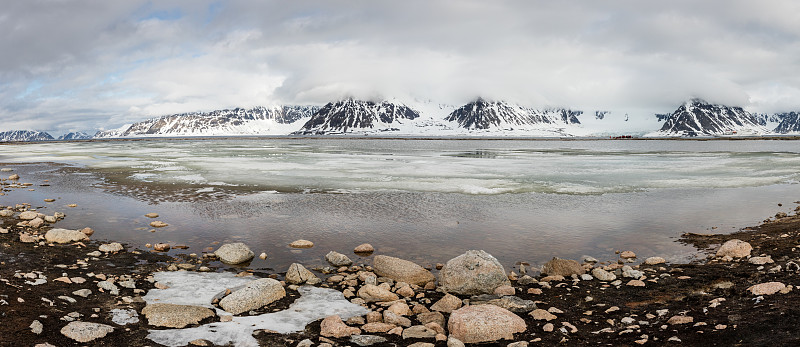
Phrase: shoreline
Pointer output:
(579, 310)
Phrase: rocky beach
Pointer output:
(62, 287)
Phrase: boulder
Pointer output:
(28, 215)
(484, 323)
(563, 267)
(401, 270)
(301, 244)
(234, 253)
(768, 288)
(298, 274)
(36, 222)
(603, 275)
(377, 327)
(734, 249)
(418, 332)
(447, 304)
(474, 272)
(367, 340)
(373, 293)
(332, 326)
(254, 295)
(338, 259)
(111, 247)
(364, 248)
(85, 331)
(175, 316)
(64, 236)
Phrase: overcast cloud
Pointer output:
(87, 65)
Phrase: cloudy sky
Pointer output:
(88, 65)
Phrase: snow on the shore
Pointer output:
(191, 288)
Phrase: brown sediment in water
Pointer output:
(602, 313)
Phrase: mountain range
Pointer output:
(477, 118)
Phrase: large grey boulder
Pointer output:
(401, 270)
(175, 316)
(85, 331)
(234, 253)
(338, 259)
(484, 323)
(254, 295)
(298, 274)
(64, 236)
(474, 272)
(563, 267)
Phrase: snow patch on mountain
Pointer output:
(24, 136)
(789, 123)
(77, 135)
(700, 118)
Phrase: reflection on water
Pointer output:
(424, 201)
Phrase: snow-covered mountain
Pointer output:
(789, 123)
(700, 118)
(354, 116)
(77, 135)
(24, 136)
(278, 120)
(484, 115)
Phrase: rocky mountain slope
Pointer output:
(700, 118)
(348, 116)
(75, 136)
(789, 123)
(239, 121)
(482, 115)
(24, 136)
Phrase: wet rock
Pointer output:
(563, 267)
(338, 259)
(27, 238)
(377, 327)
(88, 231)
(254, 295)
(540, 314)
(262, 256)
(364, 248)
(367, 340)
(28, 215)
(301, 244)
(629, 272)
(735, 249)
(50, 219)
(151, 215)
(395, 319)
(36, 222)
(64, 236)
(234, 253)
(418, 332)
(13, 177)
(110, 247)
(298, 274)
(474, 272)
(654, 261)
(332, 326)
(372, 293)
(36, 327)
(760, 260)
(484, 323)
(674, 320)
(627, 255)
(447, 304)
(768, 288)
(175, 316)
(161, 247)
(158, 224)
(85, 331)
(635, 283)
(401, 270)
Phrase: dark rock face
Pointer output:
(353, 115)
(482, 114)
(75, 136)
(698, 117)
(790, 123)
(220, 122)
(24, 136)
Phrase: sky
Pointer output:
(92, 65)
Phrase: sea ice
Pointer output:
(188, 288)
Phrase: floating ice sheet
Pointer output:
(314, 303)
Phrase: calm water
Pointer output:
(425, 200)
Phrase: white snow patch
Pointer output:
(192, 288)
(123, 317)
(315, 303)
